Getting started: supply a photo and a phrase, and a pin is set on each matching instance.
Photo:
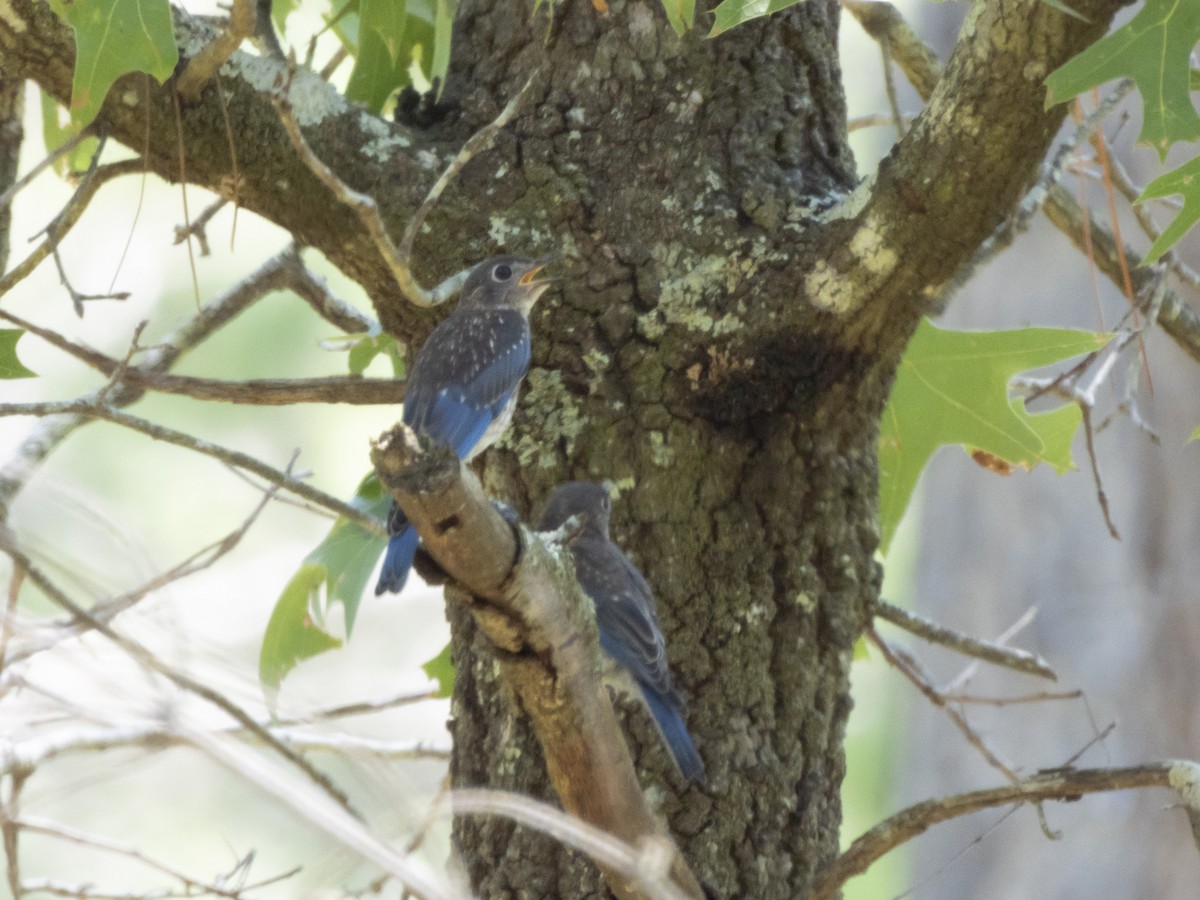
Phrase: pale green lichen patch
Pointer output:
(869, 245)
(682, 299)
(662, 455)
(553, 421)
(9, 17)
(312, 100)
(599, 364)
(826, 290)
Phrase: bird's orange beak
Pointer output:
(526, 280)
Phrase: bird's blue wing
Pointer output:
(466, 374)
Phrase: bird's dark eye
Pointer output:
(502, 272)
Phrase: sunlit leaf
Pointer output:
(734, 12)
(1154, 49)
(113, 38)
(292, 635)
(55, 133)
(336, 571)
(10, 365)
(1185, 181)
(681, 14)
(441, 670)
(952, 388)
(387, 19)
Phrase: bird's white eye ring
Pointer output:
(502, 272)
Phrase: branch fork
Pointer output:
(527, 603)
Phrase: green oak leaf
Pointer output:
(441, 670)
(292, 634)
(1154, 49)
(1195, 436)
(681, 14)
(114, 38)
(387, 19)
(368, 346)
(1186, 181)
(10, 365)
(340, 566)
(952, 388)
(734, 12)
(55, 134)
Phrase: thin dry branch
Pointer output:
(1181, 776)
(542, 630)
(253, 391)
(903, 663)
(60, 226)
(10, 546)
(204, 65)
(284, 270)
(364, 206)
(199, 445)
(218, 886)
(1019, 660)
(885, 24)
(106, 610)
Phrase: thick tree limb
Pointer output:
(969, 157)
(362, 148)
(543, 632)
(1182, 776)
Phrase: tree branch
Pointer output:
(542, 629)
(892, 246)
(1008, 657)
(199, 445)
(9, 544)
(1182, 776)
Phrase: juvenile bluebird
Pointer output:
(625, 612)
(462, 389)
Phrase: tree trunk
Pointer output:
(752, 516)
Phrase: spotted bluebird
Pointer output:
(625, 612)
(462, 389)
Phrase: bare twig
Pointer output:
(204, 65)
(199, 445)
(107, 610)
(1067, 785)
(62, 223)
(284, 270)
(9, 544)
(1020, 660)
(191, 886)
(908, 667)
(1039, 697)
(316, 809)
(397, 260)
(198, 227)
(885, 24)
(477, 143)
(960, 680)
(254, 391)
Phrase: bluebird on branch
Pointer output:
(625, 612)
(462, 389)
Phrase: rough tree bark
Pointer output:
(720, 348)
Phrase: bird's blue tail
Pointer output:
(397, 560)
(669, 718)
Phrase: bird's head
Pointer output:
(585, 499)
(504, 282)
